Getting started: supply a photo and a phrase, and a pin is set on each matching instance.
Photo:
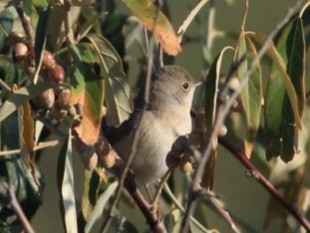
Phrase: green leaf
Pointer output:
(87, 88)
(251, 94)
(66, 187)
(147, 12)
(211, 89)
(22, 95)
(295, 48)
(117, 89)
(40, 39)
(284, 107)
(274, 102)
(255, 96)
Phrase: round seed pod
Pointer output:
(58, 113)
(185, 164)
(64, 98)
(172, 160)
(20, 51)
(14, 38)
(45, 99)
(222, 131)
(57, 74)
(48, 61)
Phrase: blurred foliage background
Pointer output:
(248, 203)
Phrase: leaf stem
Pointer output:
(26, 24)
(40, 146)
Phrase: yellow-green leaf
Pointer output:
(148, 14)
(251, 95)
(87, 88)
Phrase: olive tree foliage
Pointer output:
(72, 70)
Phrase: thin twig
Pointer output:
(68, 23)
(180, 207)
(18, 210)
(221, 210)
(240, 155)
(211, 30)
(40, 146)
(160, 187)
(224, 110)
(5, 86)
(190, 18)
(124, 174)
(26, 25)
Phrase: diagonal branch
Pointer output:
(224, 110)
(240, 155)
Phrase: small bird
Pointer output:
(164, 118)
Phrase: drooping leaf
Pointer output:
(251, 94)
(87, 88)
(295, 49)
(283, 125)
(274, 102)
(66, 187)
(211, 98)
(255, 96)
(117, 91)
(148, 14)
(22, 95)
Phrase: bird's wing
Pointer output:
(115, 134)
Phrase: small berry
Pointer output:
(57, 74)
(20, 51)
(64, 98)
(185, 164)
(45, 99)
(48, 60)
(14, 38)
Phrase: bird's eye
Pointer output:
(185, 86)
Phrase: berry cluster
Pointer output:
(54, 100)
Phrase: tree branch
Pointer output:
(11, 200)
(26, 25)
(240, 155)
